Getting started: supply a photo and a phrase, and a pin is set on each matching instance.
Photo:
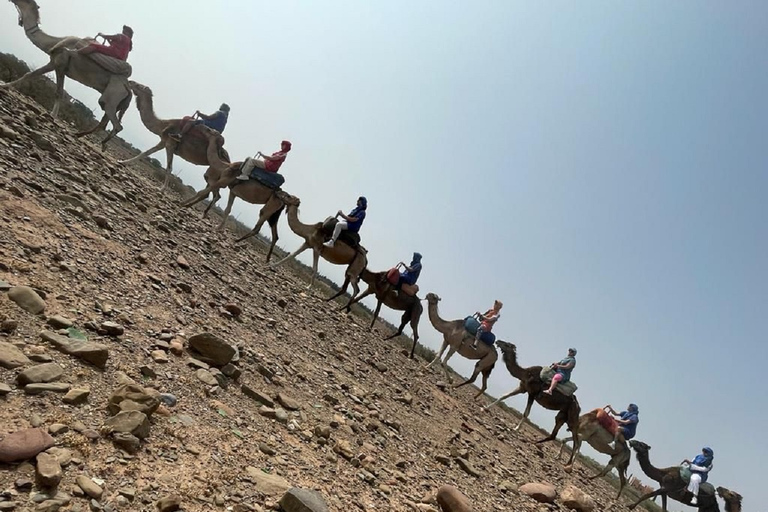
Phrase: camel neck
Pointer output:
(438, 323)
(652, 472)
(145, 105)
(303, 230)
(41, 39)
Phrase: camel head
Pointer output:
(506, 347)
(288, 199)
(433, 298)
(28, 7)
(639, 446)
(138, 88)
(730, 497)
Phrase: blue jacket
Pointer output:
(704, 461)
(218, 122)
(412, 276)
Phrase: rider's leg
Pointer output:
(693, 486)
(340, 226)
(557, 378)
(248, 165)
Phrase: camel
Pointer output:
(457, 337)
(356, 259)
(567, 407)
(115, 94)
(592, 431)
(193, 147)
(675, 487)
(377, 284)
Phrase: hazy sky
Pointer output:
(600, 167)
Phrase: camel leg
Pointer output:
(115, 101)
(213, 201)
(295, 253)
(256, 228)
(100, 126)
(514, 392)
(444, 364)
(39, 71)
(526, 413)
(272, 219)
(170, 146)
(438, 356)
(230, 202)
(60, 76)
(199, 197)
(484, 386)
(154, 149)
(341, 292)
(559, 422)
(315, 260)
(472, 378)
(375, 314)
(658, 492)
(403, 321)
(415, 329)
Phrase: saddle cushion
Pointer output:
(111, 64)
(567, 388)
(471, 325)
(346, 236)
(393, 276)
(271, 180)
(410, 289)
(704, 487)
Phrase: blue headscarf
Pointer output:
(416, 258)
(633, 409)
(363, 201)
(704, 459)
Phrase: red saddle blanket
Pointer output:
(607, 422)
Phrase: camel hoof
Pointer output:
(568, 468)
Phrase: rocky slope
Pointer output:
(309, 398)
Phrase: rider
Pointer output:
(627, 421)
(119, 45)
(700, 467)
(216, 121)
(411, 272)
(268, 164)
(487, 320)
(351, 222)
(563, 370)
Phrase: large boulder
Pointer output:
(213, 349)
(93, 353)
(303, 500)
(451, 499)
(129, 422)
(271, 485)
(540, 491)
(576, 499)
(132, 397)
(11, 357)
(27, 299)
(47, 372)
(24, 444)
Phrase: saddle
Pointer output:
(270, 180)
(111, 64)
(704, 488)
(566, 388)
(349, 238)
(410, 289)
(471, 325)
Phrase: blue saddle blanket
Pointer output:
(268, 179)
(471, 325)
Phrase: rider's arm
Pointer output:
(212, 116)
(110, 38)
(271, 158)
(701, 469)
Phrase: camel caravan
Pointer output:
(198, 139)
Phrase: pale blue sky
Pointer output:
(597, 166)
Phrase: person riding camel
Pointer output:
(267, 164)
(627, 421)
(700, 467)
(216, 122)
(119, 45)
(487, 320)
(351, 222)
(563, 370)
(410, 273)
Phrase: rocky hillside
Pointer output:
(147, 363)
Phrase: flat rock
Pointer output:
(47, 372)
(132, 397)
(576, 499)
(288, 402)
(206, 377)
(27, 299)
(11, 357)
(271, 485)
(451, 499)
(4, 389)
(303, 500)
(76, 396)
(127, 442)
(213, 349)
(89, 487)
(59, 322)
(112, 328)
(46, 387)
(467, 467)
(257, 395)
(93, 353)
(540, 491)
(48, 470)
(24, 444)
(129, 422)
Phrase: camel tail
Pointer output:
(275, 216)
